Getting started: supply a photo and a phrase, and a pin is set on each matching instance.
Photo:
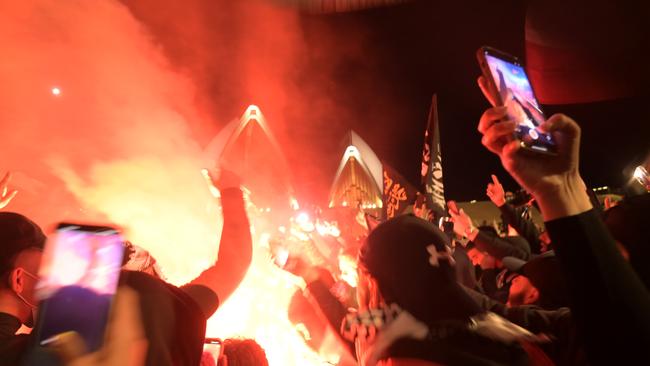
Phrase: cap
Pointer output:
(545, 274)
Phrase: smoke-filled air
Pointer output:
(106, 111)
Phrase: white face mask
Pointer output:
(32, 307)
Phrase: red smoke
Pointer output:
(140, 89)
(289, 64)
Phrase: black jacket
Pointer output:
(609, 303)
(498, 247)
(12, 346)
(526, 228)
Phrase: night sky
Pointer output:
(375, 71)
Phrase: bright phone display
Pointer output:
(510, 84)
(213, 347)
(78, 279)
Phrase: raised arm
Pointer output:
(235, 248)
(608, 301)
(491, 244)
(512, 216)
(499, 247)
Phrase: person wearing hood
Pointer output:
(396, 274)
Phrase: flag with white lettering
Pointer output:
(431, 172)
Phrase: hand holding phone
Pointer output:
(126, 343)
(212, 352)
(552, 177)
(78, 279)
(506, 85)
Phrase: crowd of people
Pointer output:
(574, 292)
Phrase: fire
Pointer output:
(259, 307)
(108, 138)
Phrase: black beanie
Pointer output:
(395, 255)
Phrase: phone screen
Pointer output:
(212, 347)
(517, 95)
(78, 279)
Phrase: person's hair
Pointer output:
(489, 228)
(17, 234)
(138, 259)
(244, 352)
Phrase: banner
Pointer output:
(432, 163)
(398, 193)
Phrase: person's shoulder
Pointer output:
(518, 241)
(12, 349)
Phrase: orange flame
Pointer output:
(258, 309)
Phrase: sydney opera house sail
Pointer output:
(247, 147)
(358, 180)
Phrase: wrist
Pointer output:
(569, 198)
(310, 275)
(486, 266)
(471, 233)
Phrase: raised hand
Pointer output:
(495, 192)
(5, 194)
(550, 179)
(463, 225)
(610, 202)
(220, 179)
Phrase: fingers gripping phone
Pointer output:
(509, 84)
(78, 279)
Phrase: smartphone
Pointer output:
(214, 348)
(446, 225)
(508, 82)
(78, 279)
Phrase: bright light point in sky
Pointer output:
(56, 91)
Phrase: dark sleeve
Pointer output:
(485, 302)
(533, 318)
(465, 273)
(204, 297)
(526, 228)
(14, 348)
(610, 304)
(331, 308)
(489, 285)
(499, 247)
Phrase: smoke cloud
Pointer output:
(106, 106)
(144, 85)
(114, 144)
(310, 77)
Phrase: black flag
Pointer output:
(398, 192)
(431, 171)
